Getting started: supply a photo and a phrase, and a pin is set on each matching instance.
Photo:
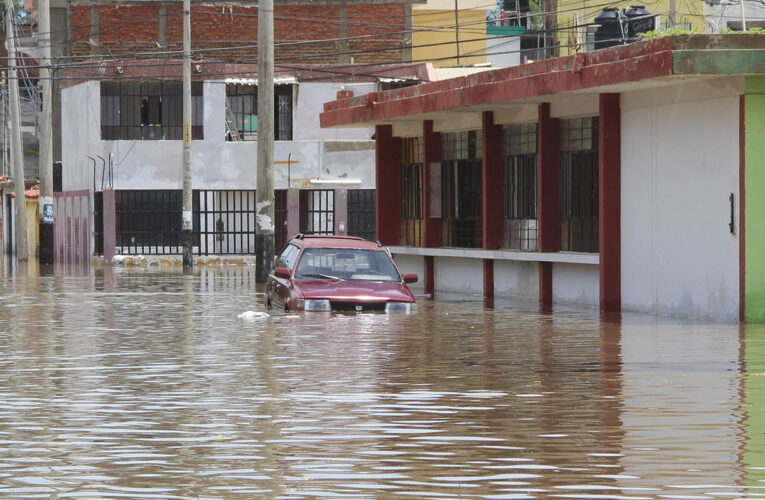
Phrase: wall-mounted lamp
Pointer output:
(119, 70)
(198, 68)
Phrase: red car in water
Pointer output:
(338, 273)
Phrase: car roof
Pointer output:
(333, 241)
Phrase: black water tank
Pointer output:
(612, 28)
(639, 21)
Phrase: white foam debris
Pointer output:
(253, 315)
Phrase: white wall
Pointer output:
(576, 284)
(309, 103)
(217, 164)
(503, 51)
(463, 275)
(516, 279)
(680, 164)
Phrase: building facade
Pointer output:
(616, 178)
(122, 158)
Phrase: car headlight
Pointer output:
(399, 307)
(316, 305)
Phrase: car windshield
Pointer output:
(346, 264)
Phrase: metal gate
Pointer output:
(149, 222)
(224, 221)
(361, 213)
(317, 211)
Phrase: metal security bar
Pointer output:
(224, 221)
(579, 185)
(280, 220)
(520, 187)
(361, 213)
(411, 191)
(149, 222)
(317, 211)
(98, 222)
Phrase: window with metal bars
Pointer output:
(520, 187)
(579, 185)
(242, 112)
(461, 193)
(411, 191)
(148, 111)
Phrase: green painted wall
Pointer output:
(754, 115)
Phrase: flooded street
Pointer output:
(124, 383)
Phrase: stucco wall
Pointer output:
(516, 279)
(576, 284)
(680, 164)
(459, 275)
(347, 154)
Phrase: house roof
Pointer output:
(615, 69)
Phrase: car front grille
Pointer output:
(358, 306)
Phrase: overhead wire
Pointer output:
(137, 62)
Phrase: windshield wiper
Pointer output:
(322, 276)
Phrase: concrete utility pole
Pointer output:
(188, 258)
(264, 227)
(457, 28)
(22, 248)
(672, 13)
(46, 136)
(743, 16)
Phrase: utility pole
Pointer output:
(46, 136)
(22, 249)
(672, 13)
(457, 28)
(186, 238)
(264, 203)
(743, 16)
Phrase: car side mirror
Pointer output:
(282, 272)
(410, 277)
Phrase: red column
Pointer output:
(431, 154)
(431, 225)
(388, 185)
(548, 196)
(491, 188)
(491, 179)
(609, 202)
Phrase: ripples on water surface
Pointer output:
(142, 384)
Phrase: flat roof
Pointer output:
(615, 69)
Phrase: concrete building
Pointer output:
(623, 178)
(122, 157)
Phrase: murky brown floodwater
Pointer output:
(146, 384)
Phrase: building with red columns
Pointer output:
(625, 178)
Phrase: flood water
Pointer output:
(123, 383)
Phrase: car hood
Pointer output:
(354, 291)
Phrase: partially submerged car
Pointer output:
(338, 273)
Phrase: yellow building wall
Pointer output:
(689, 13)
(434, 37)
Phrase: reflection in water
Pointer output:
(146, 384)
